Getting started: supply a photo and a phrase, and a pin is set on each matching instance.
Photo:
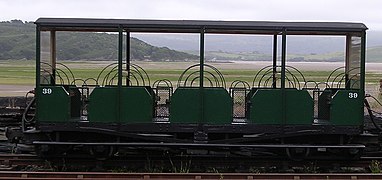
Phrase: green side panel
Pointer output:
(103, 105)
(185, 105)
(346, 108)
(137, 105)
(217, 106)
(324, 105)
(299, 107)
(265, 107)
(53, 104)
(75, 101)
(248, 102)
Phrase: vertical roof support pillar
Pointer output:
(120, 54)
(274, 60)
(201, 70)
(38, 56)
(201, 76)
(363, 59)
(283, 64)
(53, 59)
(128, 57)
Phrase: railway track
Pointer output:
(11, 110)
(11, 117)
(105, 175)
(14, 162)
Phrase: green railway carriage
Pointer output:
(122, 109)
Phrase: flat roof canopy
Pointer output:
(194, 26)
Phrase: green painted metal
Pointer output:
(299, 107)
(324, 105)
(53, 104)
(266, 107)
(346, 107)
(137, 105)
(102, 105)
(201, 56)
(53, 59)
(120, 104)
(75, 102)
(283, 64)
(38, 55)
(363, 59)
(274, 60)
(128, 45)
(185, 106)
(120, 45)
(341, 107)
(217, 106)
(38, 66)
(120, 55)
(201, 77)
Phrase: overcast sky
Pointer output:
(366, 11)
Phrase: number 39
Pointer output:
(46, 91)
(353, 95)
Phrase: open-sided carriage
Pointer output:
(281, 111)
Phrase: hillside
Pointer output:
(374, 54)
(256, 56)
(252, 47)
(17, 41)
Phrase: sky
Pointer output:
(365, 11)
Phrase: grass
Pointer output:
(375, 166)
(23, 72)
(16, 73)
(18, 76)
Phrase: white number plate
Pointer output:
(46, 91)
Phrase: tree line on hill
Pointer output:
(17, 41)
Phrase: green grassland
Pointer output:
(23, 72)
(374, 54)
(17, 72)
(255, 56)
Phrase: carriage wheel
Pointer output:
(297, 154)
(102, 151)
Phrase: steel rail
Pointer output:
(104, 175)
(9, 160)
(17, 161)
(201, 145)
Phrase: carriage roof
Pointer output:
(195, 26)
